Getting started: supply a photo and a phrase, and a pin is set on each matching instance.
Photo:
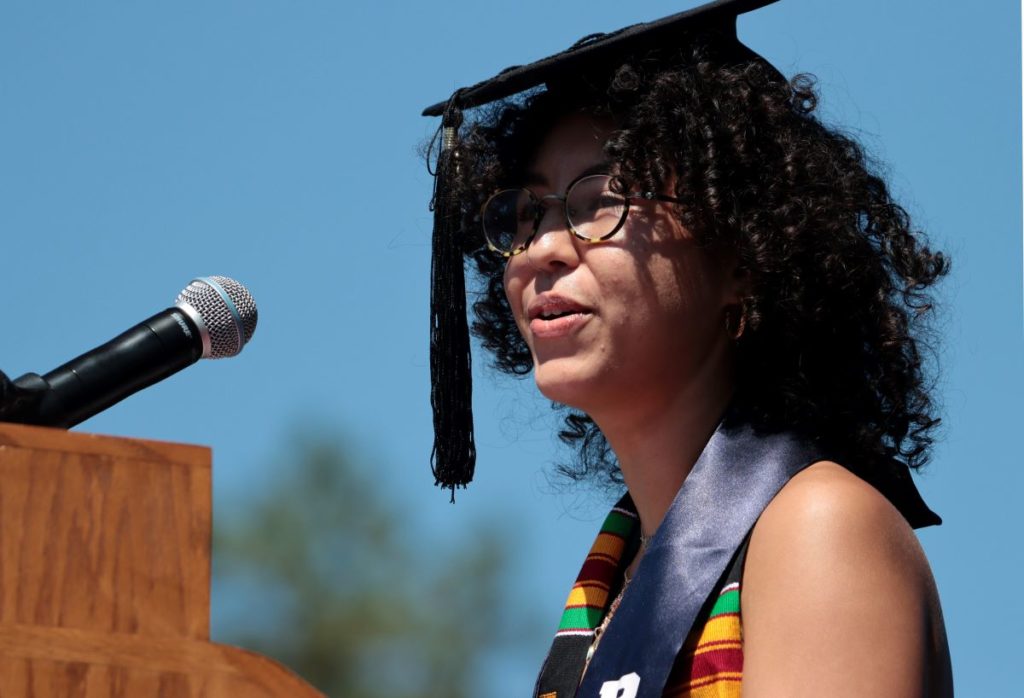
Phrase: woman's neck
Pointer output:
(657, 442)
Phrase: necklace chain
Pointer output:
(626, 579)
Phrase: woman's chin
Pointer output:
(563, 382)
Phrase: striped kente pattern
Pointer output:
(710, 663)
(589, 597)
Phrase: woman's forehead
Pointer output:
(572, 148)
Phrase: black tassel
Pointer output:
(453, 457)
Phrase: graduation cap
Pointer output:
(453, 457)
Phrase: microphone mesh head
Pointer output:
(226, 308)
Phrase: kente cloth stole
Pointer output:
(733, 480)
(710, 663)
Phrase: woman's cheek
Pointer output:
(514, 295)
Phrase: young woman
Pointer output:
(729, 303)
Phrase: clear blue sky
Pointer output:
(142, 144)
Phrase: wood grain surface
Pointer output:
(105, 573)
(44, 662)
(104, 534)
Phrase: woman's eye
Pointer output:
(607, 202)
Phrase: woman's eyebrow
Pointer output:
(603, 167)
(537, 179)
(534, 179)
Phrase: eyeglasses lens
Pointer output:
(594, 206)
(509, 218)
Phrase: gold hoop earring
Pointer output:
(735, 321)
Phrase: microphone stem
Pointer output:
(147, 353)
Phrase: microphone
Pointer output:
(213, 317)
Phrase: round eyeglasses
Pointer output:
(596, 207)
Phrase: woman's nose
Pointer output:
(553, 245)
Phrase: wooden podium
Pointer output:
(105, 573)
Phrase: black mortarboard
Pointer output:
(454, 454)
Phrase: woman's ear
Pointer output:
(736, 286)
(736, 281)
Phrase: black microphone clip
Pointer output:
(21, 397)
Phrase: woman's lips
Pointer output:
(560, 326)
(553, 315)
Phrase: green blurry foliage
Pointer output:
(331, 580)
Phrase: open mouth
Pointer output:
(552, 307)
(560, 314)
(558, 323)
(554, 315)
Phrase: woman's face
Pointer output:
(636, 320)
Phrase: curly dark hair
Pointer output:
(839, 280)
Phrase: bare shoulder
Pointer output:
(826, 505)
(838, 598)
